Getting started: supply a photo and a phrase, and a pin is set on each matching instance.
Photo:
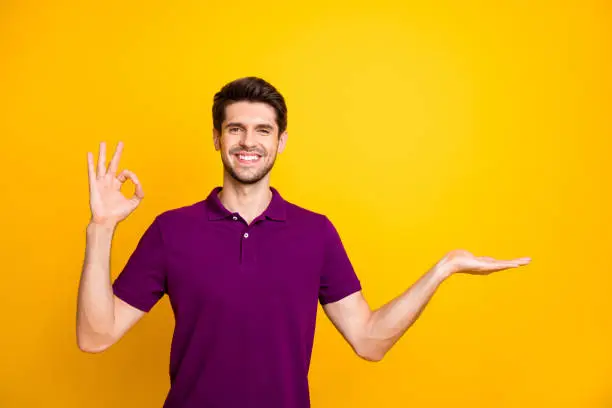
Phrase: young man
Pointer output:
(244, 270)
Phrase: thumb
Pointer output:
(138, 192)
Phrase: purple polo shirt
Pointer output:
(244, 298)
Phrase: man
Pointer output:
(244, 270)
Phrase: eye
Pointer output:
(265, 131)
(234, 129)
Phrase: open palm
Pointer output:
(463, 261)
(108, 205)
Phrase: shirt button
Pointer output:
(246, 235)
(234, 218)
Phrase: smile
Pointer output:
(248, 158)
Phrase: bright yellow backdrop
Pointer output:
(417, 127)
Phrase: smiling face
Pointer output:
(249, 141)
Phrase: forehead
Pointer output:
(250, 113)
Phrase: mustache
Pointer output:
(238, 150)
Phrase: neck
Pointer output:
(249, 200)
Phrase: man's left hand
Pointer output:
(462, 261)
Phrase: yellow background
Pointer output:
(416, 127)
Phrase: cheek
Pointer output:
(227, 141)
(227, 146)
(271, 148)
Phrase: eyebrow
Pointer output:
(260, 125)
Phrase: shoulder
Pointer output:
(295, 211)
(308, 218)
(187, 214)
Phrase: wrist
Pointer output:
(95, 226)
(443, 270)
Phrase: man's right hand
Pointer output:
(103, 318)
(108, 205)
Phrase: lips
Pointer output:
(247, 158)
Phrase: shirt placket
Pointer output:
(248, 234)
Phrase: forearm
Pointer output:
(388, 323)
(95, 308)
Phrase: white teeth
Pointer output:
(248, 157)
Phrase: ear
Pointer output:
(216, 139)
(282, 142)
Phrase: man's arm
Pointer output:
(372, 333)
(102, 318)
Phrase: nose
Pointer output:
(248, 138)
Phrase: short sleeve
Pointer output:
(338, 278)
(142, 282)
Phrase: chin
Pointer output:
(248, 178)
(245, 179)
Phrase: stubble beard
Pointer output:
(248, 177)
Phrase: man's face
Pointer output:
(249, 141)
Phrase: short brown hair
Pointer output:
(252, 89)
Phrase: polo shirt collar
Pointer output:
(216, 211)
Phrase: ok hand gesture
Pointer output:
(108, 205)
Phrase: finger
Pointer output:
(508, 265)
(91, 173)
(492, 263)
(123, 176)
(495, 269)
(497, 265)
(102, 160)
(520, 261)
(127, 174)
(112, 168)
(516, 262)
(138, 192)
